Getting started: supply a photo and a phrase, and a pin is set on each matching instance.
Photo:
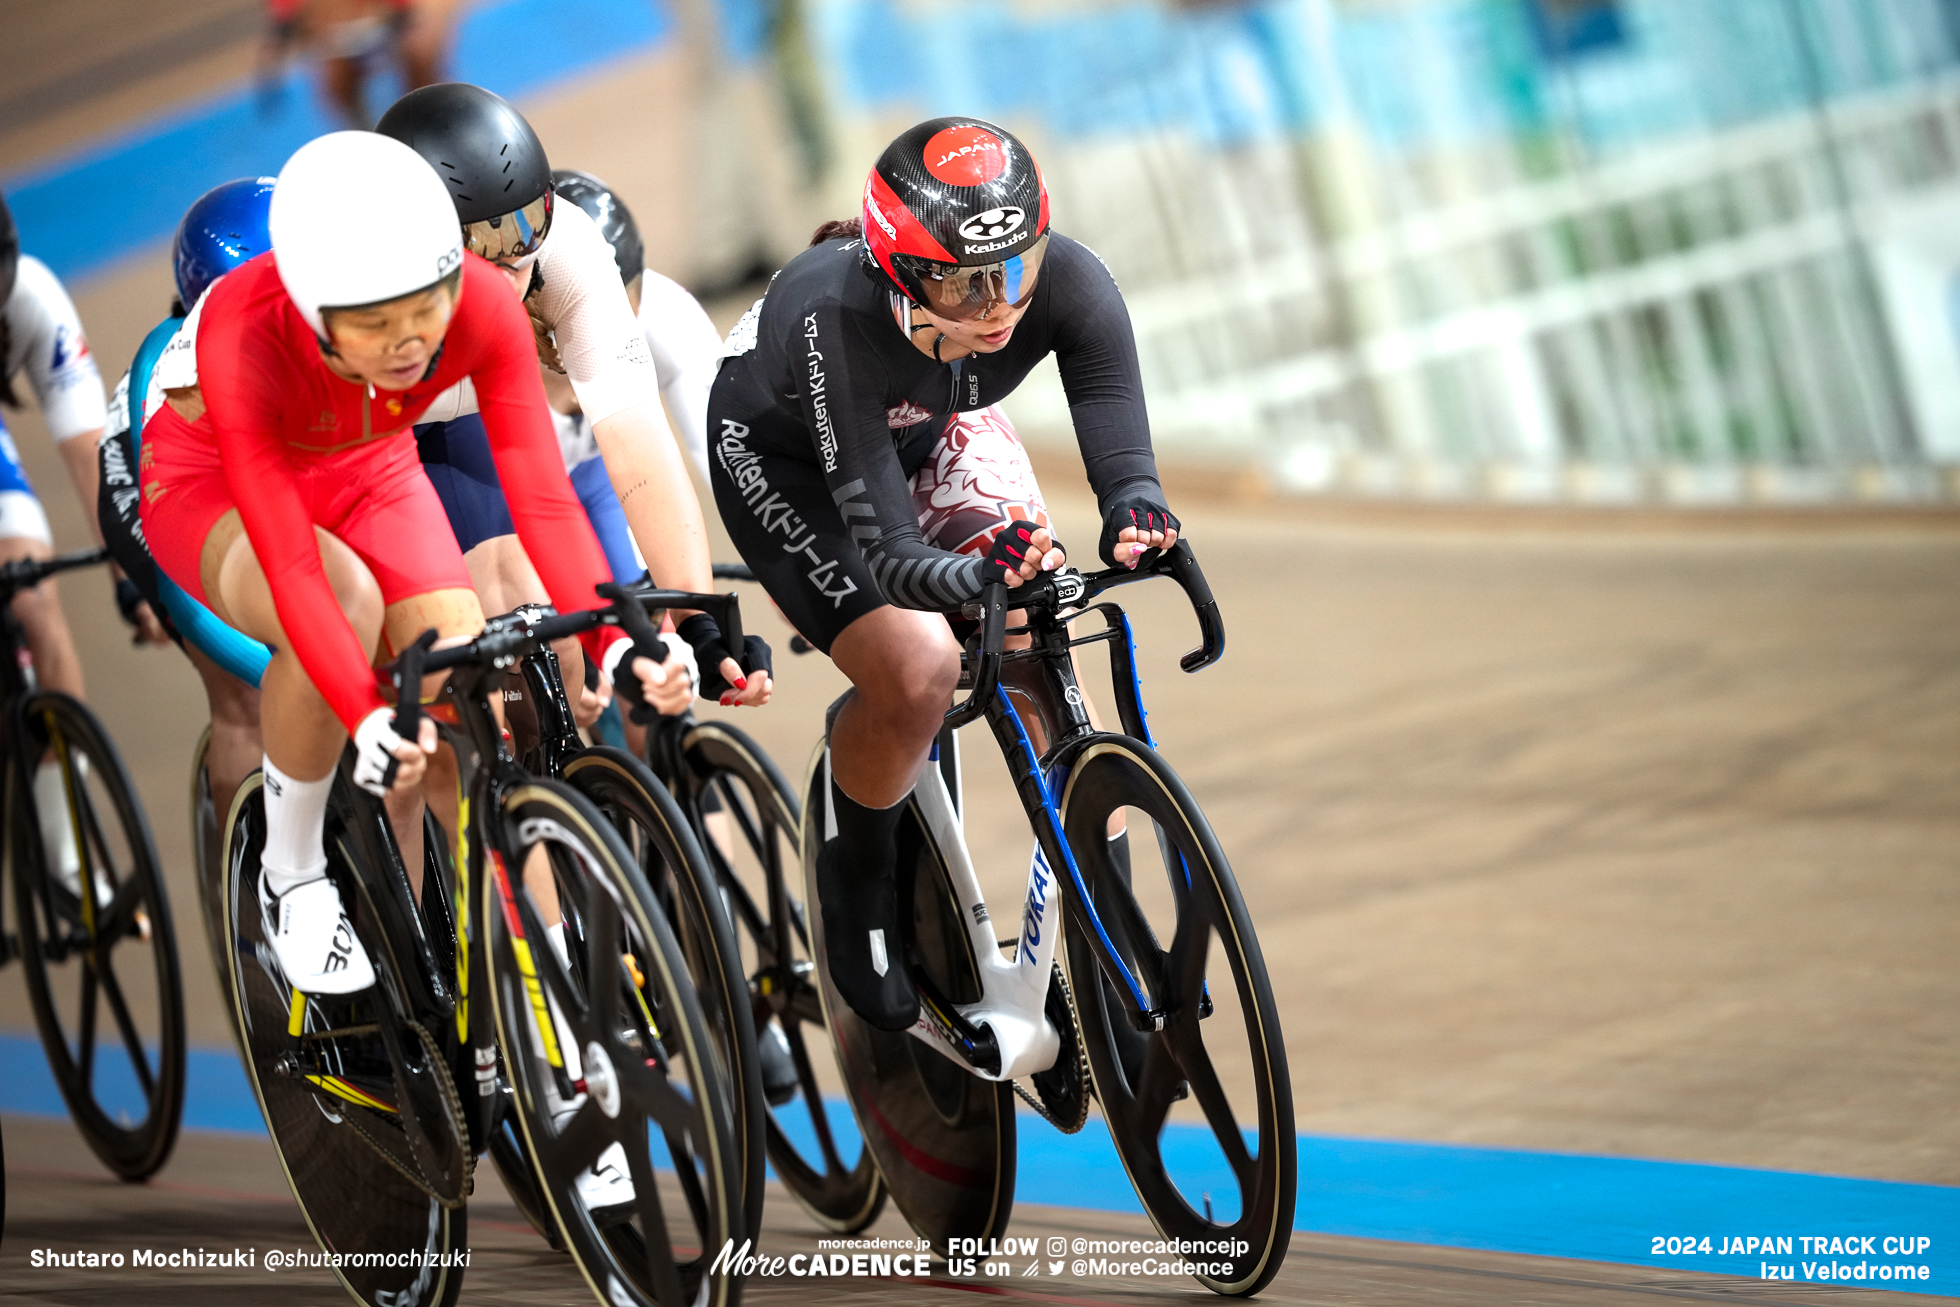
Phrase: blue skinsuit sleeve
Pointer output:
(226, 646)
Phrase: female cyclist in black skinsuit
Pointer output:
(865, 474)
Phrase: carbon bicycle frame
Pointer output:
(1006, 1035)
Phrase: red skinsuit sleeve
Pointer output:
(550, 521)
(243, 369)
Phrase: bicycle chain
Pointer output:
(409, 1168)
(1071, 1031)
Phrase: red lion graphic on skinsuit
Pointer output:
(975, 482)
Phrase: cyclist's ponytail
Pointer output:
(836, 228)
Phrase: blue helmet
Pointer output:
(224, 228)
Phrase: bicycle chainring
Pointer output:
(449, 1181)
(1061, 1093)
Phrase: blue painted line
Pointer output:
(1600, 1209)
(216, 1093)
(99, 204)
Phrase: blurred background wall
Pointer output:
(1589, 250)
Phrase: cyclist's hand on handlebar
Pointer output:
(383, 760)
(729, 683)
(1135, 523)
(1021, 552)
(136, 610)
(666, 687)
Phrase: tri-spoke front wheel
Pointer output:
(96, 941)
(1201, 1109)
(618, 1083)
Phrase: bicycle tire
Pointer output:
(944, 1139)
(754, 852)
(207, 852)
(627, 1257)
(1112, 772)
(353, 1199)
(58, 927)
(663, 845)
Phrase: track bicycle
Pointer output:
(664, 845)
(747, 819)
(1163, 996)
(380, 1102)
(96, 944)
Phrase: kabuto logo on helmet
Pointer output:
(965, 156)
(993, 224)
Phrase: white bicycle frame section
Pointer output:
(1013, 990)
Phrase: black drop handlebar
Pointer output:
(517, 635)
(1069, 590)
(26, 573)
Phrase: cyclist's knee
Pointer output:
(354, 588)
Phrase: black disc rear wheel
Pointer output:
(98, 951)
(944, 1138)
(1181, 1099)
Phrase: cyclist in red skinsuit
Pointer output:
(281, 486)
(290, 444)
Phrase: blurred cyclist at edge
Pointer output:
(352, 36)
(41, 336)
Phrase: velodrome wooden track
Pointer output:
(1627, 834)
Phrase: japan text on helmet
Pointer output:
(9, 251)
(615, 220)
(357, 218)
(223, 229)
(489, 159)
(955, 213)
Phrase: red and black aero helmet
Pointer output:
(956, 214)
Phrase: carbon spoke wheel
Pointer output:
(331, 1102)
(750, 821)
(612, 1064)
(661, 844)
(944, 1138)
(1181, 1100)
(98, 950)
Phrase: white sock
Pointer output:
(295, 825)
(57, 827)
(567, 1042)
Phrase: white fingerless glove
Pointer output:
(374, 759)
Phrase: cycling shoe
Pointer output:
(862, 942)
(314, 941)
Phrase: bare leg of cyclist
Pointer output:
(455, 615)
(56, 665)
(235, 747)
(307, 924)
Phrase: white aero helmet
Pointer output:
(358, 218)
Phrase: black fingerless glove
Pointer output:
(1009, 551)
(626, 685)
(704, 634)
(1142, 508)
(128, 599)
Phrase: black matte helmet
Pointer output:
(955, 213)
(9, 252)
(610, 212)
(489, 158)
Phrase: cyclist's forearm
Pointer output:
(79, 453)
(645, 467)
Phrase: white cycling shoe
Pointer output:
(58, 831)
(315, 943)
(607, 1184)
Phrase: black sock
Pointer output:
(857, 878)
